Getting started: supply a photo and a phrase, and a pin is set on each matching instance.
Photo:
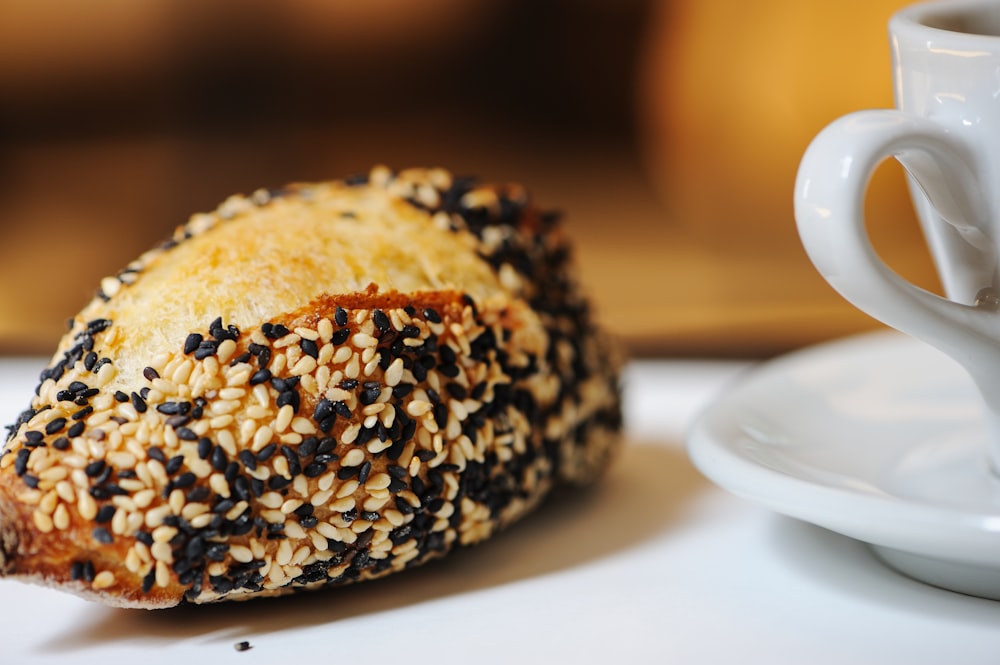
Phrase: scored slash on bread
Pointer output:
(310, 387)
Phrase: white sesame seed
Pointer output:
(270, 499)
(162, 574)
(350, 433)
(354, 457)
(328, 530)
(284, 554)
(103, 580)
(86, 505)
(302, 425)
(347, 488)
(161, 552)
(295, 531)
(65, 491)
(257, 412)
(284, 418)
(324, 328)
(236, 510)
(418, 407)
(342, 355)
(225, 350)
(119, 523)
(219, 485)
(232, 393)
(241, 554)
(326, 481)
(43, 522)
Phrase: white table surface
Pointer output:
(665, 568)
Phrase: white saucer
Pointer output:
(878, 437)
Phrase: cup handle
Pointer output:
(829, 210)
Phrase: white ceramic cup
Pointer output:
(946, 133)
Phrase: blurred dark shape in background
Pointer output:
(667, 130)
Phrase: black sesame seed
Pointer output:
(30, 480)
(216, 551)
(94, 469)
(186, 479)
(174, 408)
(241, 488)
(204, 447)
(432, 315)
(139, 403)
(90, 360)
(174, 464)
(191, 343)
(326, 445)
(120, 396)
(401, 390)
(314, 470)
(396, 485)
(248, 459)
(363, 472)
(102, 535)
(308, 521)
(309, 347)
(186, 434)
(278, 482)
(150, 373)
(260, 376)
(340, 336)
(62, 443)
(198, 494)
(156, 453)
(266, 452)
(75, 430)
(349, 384)
(232, 471)
(83, 413)
(381, 321)
(308, 446)
(98, 325)
(294, 467)
(105, 513)
(289, 397)
(340, 316)
(342, 409)
(76, 570)
(257, 487)
(207, 348)
(219, 459)
(149, 580)
(370, 395)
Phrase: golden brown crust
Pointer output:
(311, 387)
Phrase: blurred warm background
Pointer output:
(668, 131)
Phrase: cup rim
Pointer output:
(913, 19)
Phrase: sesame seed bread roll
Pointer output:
(307, 388)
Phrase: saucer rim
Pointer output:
(714, 444)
